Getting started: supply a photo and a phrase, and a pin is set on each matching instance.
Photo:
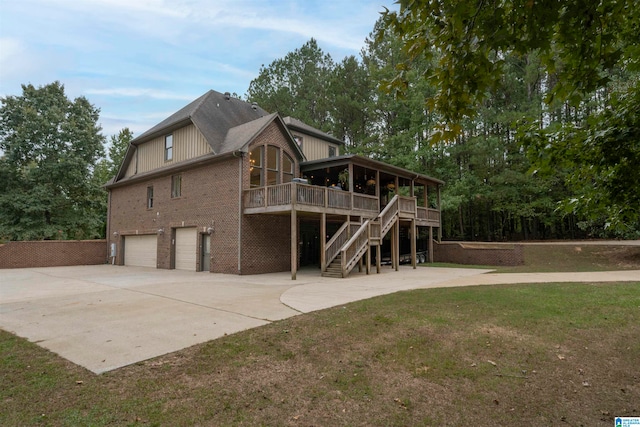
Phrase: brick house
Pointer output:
(223, 186)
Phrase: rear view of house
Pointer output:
(223, 186)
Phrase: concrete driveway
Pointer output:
(105, 317)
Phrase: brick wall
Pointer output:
(266, 239)
(210, 198)
(478, 253)
(52, 253)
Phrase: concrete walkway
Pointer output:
(105, 317)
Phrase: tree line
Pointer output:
(531, 115)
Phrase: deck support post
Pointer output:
(323, 242)
(378, 256)
(294, 244)
(430, 244)
(397, 247)
(413, 243)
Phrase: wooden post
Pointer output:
(393, 246)
(397, 248)
(378, 257)
(294, 243)
(369, 248)
(413, 243)
(323, 241)
(430, 244)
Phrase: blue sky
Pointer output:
(141, 60)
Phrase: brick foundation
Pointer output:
(52, 253)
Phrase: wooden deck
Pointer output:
(284, 198)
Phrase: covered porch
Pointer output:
(363, 199)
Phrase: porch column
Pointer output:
(294, 243)
(430, 244)
(413, 243)
(378, 256)
(397, 245)
(323, 241)
(368, 248)
(350, 183)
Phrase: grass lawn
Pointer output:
(526, 355)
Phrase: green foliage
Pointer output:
(604, 154)
(468, 40)
(51, 145)
(296, 85)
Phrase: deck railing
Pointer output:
(432, 215)
(293, 193)
(407, 206)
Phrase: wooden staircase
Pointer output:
(335, 268)
(342, 259)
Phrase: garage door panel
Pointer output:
(186, 248)
(141, 250)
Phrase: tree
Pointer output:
(51, 145)
(118, 145)
(296, 85)
(586, 130)
(578, 41)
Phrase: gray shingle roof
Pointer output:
(213, 114)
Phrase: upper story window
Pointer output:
(176, 186)
(273, 163)
(287, 168)
(149, 197)
(332, 151)
(255, 166)
(298, 140)
(168, 147)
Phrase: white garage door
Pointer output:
(186, 244)
(141, 251)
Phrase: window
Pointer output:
(176, 186)
(287, 168)
(298, 140)
(273, 163)
(255, 166)
(332, 151)
(168, 147)
(149, 197)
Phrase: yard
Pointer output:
(541, 354)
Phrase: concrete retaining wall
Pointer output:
(478, 253)
(52, 253)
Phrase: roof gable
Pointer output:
(240, 137)
(213, 114)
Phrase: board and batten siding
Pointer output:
(188, 143)
(315, 148)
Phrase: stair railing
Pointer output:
(332, 248)
(355, 247)
(388, 216)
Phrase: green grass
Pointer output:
(482, 356)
